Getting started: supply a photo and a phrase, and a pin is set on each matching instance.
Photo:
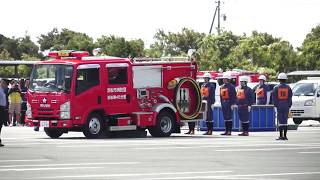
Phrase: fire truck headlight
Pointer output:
(29, 112)
(65, 110)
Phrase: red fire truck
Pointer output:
(95, 95)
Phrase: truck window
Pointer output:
(117, 75)
(86, 79)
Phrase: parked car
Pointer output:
(306, 100)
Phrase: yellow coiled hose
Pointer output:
(198, 96)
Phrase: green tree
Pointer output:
(310, 50)
(11, 46)
(27, 47)
(215, 49)
(120, 47)
(175, 44)
(65, 40)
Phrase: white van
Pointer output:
(306, 100)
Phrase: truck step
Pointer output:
(122, 128)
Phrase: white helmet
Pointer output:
(97, 51)
(262, 77)
(207, 75)
(226, 75)
(243, 78)
(282, 76)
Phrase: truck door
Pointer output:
(88, 92)
(118, 88)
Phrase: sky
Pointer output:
(290, 20)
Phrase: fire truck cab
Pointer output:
(95, 95)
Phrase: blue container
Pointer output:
(218, 123)
(262, 118)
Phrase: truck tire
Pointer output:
(164, 125)
(53, 133)
(94, 127)
(297, 121)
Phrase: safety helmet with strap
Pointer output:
(282, 76)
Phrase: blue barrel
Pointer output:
(262, 118)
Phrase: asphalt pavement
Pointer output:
(32, 155)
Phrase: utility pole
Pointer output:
(214, 17)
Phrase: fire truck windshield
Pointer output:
(51, 78)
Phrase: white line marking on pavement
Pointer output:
(235, 176)
(129, 175)
(45, 169)
(74, 164)
(228, 146)
(265, 149)
(310, 152)
(23, 160)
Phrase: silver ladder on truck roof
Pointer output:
(162, 59)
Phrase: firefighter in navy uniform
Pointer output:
(282, 96)
(208, 93)
(244, 102)
(228, 100)
(261, 97)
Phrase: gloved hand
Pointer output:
(249, 108)
(233, 106)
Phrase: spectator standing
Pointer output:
(14, 102)
(24, 90)
(3, 103)
(5, 83)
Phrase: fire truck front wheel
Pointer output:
(94, 126)
(164, 125)
(53, 133)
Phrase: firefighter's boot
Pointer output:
(209, 132)
(245, 133)
(191, 131)
(225, 133)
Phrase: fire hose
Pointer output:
(176, 103)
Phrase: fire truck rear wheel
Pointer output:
(94, 126)
(164, 125)
(53, 133)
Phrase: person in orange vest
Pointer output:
(261, 91)
(208, 94)
(244, 102)
(228, 101)
(282, 96)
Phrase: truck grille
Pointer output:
(46, 114)
(297, 112)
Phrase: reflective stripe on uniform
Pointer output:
(228, 120)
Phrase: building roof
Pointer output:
(17, 62)
(304, 73)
